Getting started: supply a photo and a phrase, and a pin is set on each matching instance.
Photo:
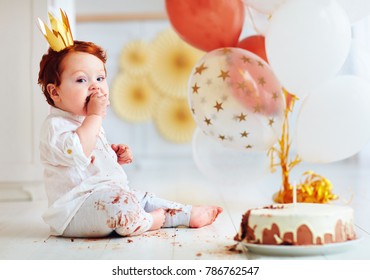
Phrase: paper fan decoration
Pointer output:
(172, 63)
(133, 98)
(174, 120)
(135, 57)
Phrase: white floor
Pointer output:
(23, 235)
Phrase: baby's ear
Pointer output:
(53, 93)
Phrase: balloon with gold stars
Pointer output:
(236, 98)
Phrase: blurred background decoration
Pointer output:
(152, 85)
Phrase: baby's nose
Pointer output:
(94, 86)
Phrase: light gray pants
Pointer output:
(125, 212)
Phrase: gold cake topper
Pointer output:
(60, 35)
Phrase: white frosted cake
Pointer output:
(297, 224)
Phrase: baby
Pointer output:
(87, 189)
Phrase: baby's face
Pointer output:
(82, 75)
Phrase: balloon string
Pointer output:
(258, 31)
(252, 20)
(313, 188)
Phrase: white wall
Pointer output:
(22, 105)
(93, 7)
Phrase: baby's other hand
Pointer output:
(159, 218)
(123, 153)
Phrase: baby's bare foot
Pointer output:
(203, 215)
(159, 218)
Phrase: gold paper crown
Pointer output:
(60, 36)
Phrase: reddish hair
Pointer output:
(50, 71)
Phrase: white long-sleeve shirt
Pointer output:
(69, 176)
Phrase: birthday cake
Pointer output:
(297, 224)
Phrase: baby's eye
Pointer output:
(81, 80)
(101, 78)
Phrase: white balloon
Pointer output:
(333, 122)
(356, 9)
(264, 6)
(307, 43)
(227, 166)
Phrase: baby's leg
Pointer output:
(177, 214)
(108, 210)
(203, 215)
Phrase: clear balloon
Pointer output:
(333, 122)
(207, 24)
(227, 166)
(236, 99)
(307, 43)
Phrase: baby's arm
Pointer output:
(90, 127)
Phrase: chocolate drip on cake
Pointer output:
(246, 232)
